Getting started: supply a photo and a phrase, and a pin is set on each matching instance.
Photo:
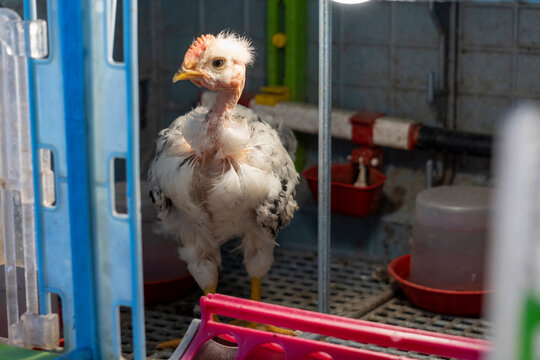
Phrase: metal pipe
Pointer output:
(325, 131)
(452, 66)
(441, 139)
(442, 30)
(434, 19)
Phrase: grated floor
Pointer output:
(359, 289)
(398, 311)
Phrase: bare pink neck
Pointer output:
(219, 116)
(226, 101)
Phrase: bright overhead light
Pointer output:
(351, 1)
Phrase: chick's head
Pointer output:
(217, 62)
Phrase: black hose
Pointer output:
(434, 138)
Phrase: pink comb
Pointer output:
(253, 343)
(196, 49)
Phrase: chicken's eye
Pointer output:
(218, 63)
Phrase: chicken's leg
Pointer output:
(256, 286)
(258, 258)
(211, 289)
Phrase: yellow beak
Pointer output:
(188, 75)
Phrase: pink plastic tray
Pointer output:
(251, 342)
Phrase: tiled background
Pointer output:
(499, 62)
(383, 53)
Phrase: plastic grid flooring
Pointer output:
(357, 291)
(401, 312)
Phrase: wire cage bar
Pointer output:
(325, 141)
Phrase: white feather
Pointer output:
(229, 43)
(234, 138)
(244, 188)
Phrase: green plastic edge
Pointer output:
(295, 56)
(296, 48)
(531, 326)
(273, 64)
(295, 76)
(10, 352)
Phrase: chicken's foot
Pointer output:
(256, 285)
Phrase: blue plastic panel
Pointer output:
(54, 248)
(85, 109)
(113, 125)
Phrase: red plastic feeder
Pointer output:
(346, 198)
(460, 303)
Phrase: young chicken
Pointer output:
(221, 172)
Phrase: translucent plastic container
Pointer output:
(19, 40)
(449, 237)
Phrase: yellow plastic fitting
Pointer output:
(279, 40)
(271, 95)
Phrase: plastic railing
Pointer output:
(249, 341)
